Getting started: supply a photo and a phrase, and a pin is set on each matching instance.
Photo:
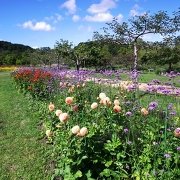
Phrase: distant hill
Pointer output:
(8, 46)
(14, 54)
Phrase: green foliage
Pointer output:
(23, 155)
(129, 140)
(13, 54)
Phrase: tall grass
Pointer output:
(22, 154)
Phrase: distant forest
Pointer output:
(13, 54)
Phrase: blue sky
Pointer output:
(40, 23)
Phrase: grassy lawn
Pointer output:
(22, 155)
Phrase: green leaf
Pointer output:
(105, 172)
(108, 163)
(78, 174)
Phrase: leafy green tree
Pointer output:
(129, 32)
(63, 49)
(79, 55)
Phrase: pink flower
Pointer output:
(48, 133)
(116, 102)
(75, 129)
(69, 100)
(83, 132)
(117, 108)
(102, 96)
(64, 117)
(51, 106)
(106, 101)
(177, 132)
(58, 112)
(144, 111)
(94, 105)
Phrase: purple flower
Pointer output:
(178, 148)
(129, 113)
(125, 130)
(153, 104)
(172, 112)
(154, 172)
(151, 108)
(129, 142)
(167, 155)
(170, 106)
(127, 167)
(156, 81)
(177, 130)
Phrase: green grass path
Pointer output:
(22, 156)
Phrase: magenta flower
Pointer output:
(125, 130)
(167, 155)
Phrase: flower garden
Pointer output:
(100, 127)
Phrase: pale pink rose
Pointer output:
(117, 108)
(48, 133)
(58, 112)
(102, 95)
(83, 132)
(61, 84)
(116, 102)
(51, 106)
(106, 100)
(75, 129)
(94, 105)
(63, 117)
(69, 100)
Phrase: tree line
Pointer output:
(121, 45)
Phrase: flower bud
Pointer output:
(51, 106)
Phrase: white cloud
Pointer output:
(99, 17)
(59, 17)
(85, 29)
(81, 27)
(49, 18)
(75, 18)
(70, 5)
(135, 11)
(102, 7)
(119, 17)
(35, 47)
(37, 26)
(89, 29)
(147, 37)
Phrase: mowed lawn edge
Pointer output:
(22, 155)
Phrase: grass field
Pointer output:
(22, 156)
